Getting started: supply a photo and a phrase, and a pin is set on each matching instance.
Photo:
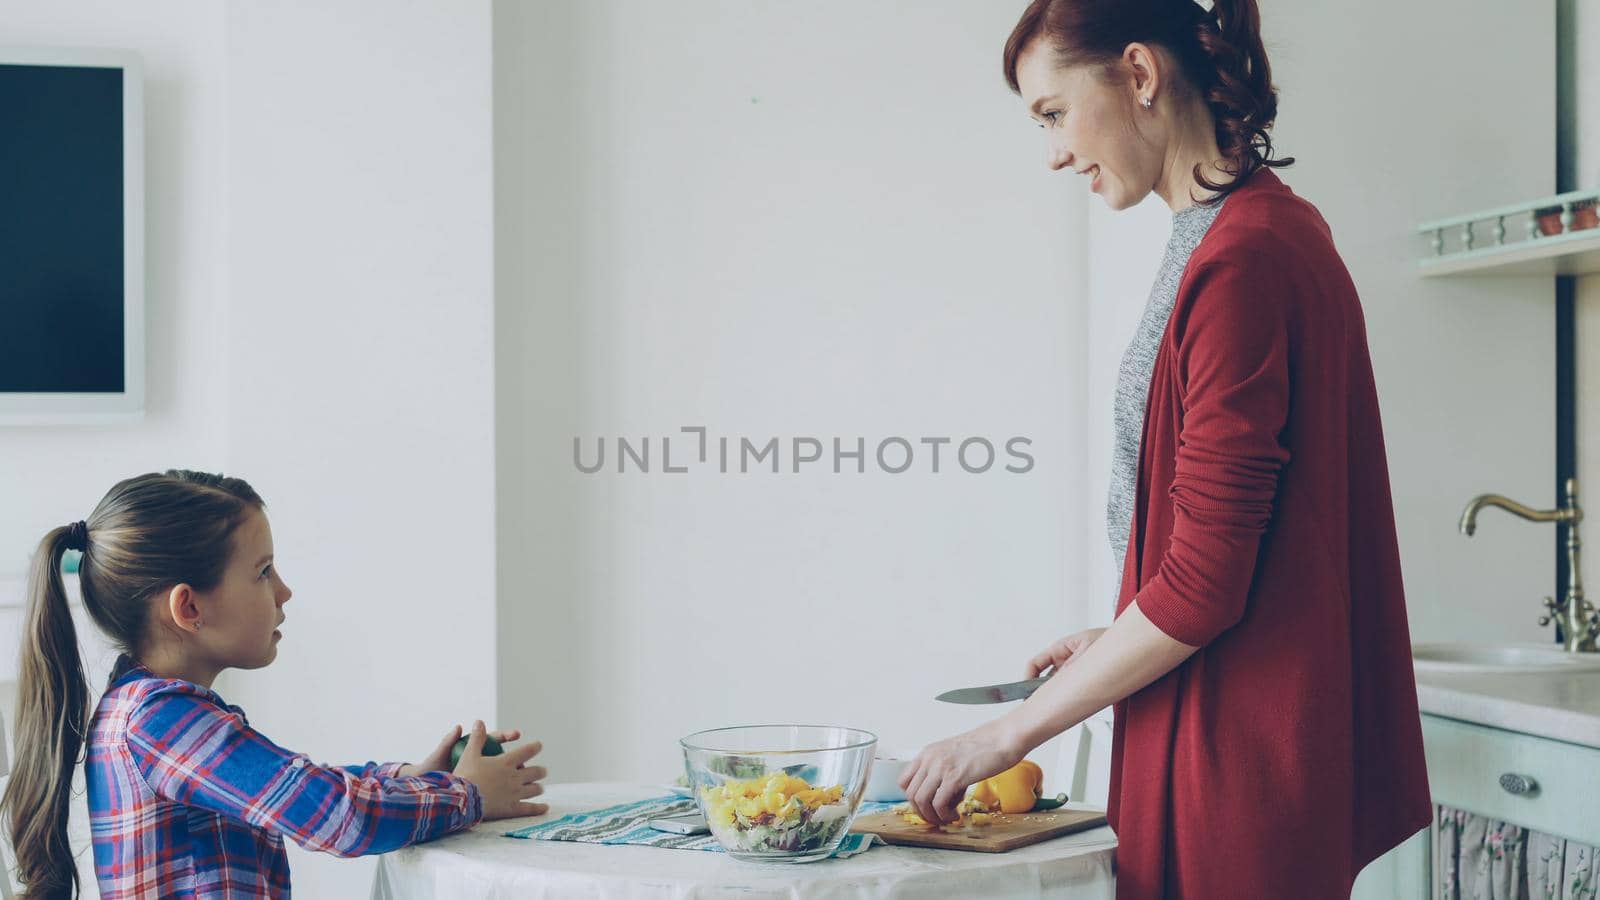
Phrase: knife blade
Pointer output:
(994, 693)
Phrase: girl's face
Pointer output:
(1090, 122)
(241, 615)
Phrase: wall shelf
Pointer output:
(1477, 244)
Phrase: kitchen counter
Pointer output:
(1562, 706)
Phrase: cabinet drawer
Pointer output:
(1465, 763)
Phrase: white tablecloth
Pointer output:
(481, 863)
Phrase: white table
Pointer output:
(481, 863)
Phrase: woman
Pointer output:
(1267, 740)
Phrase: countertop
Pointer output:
(1563, 706)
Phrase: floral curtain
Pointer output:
(1477, 858)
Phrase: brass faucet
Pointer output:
(1577, 616)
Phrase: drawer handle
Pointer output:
(1519, 784)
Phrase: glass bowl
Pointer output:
(779, 793)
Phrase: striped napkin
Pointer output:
(625, 824)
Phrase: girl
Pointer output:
(185, 798)
(1267, 740)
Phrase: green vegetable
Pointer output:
(803, 772)
(1044, 803)
(743, 768)
(491, 747)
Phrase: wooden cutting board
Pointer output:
(1005, 833)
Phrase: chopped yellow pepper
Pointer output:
(968, 812)
(1015, 790)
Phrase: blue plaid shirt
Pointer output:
(187, 800)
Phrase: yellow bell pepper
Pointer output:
(1015, 790)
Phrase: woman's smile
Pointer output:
(1093, 171)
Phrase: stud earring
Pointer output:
(1147, 103)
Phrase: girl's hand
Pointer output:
(1061, 652)
(938, 778)
(439, 759)
(504, 781)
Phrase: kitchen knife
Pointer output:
(994, 693)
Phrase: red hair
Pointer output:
(1218, 50)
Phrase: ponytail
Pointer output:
(146, 535)
(52, 716)
(1218, 50)
(1240, 93)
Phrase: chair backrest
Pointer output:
(5, 845)
(1086, 754)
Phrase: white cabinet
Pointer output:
(1465, 765)
(1466, 762)
(1401, 874)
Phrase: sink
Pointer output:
(1463, 657)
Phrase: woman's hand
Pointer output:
(439, 759)
(1062, 652)
(938, 778)
(504, 781)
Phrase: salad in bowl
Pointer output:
(779, 793)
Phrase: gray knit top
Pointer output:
(1133, 378)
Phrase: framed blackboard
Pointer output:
(71, 236)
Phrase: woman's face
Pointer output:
(1089, 123)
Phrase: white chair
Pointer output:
(1086, 754)
(5, 849)
(6, 857)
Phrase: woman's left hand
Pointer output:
(938, 778)
(439, 759)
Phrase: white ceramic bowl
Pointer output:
(883, 785)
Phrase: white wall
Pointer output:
(359, 343)
(53, 475)
(1387, 137)
(776, 220)
(1585, 75)
(1586, 152)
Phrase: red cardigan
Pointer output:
(1286, 753)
